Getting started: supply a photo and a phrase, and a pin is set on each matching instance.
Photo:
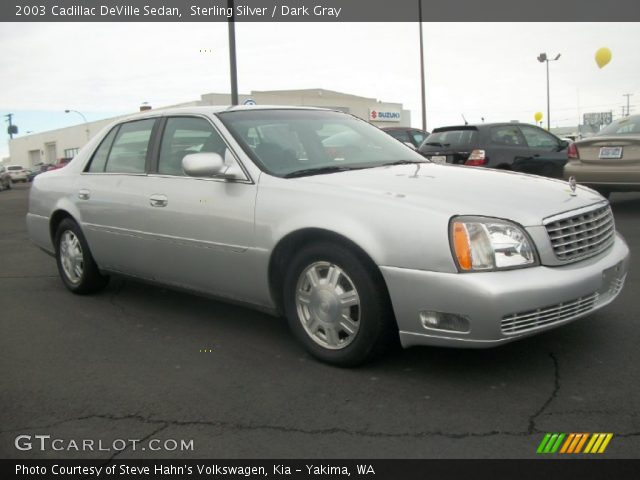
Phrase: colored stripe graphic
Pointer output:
(573, 443)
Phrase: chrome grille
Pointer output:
(582, 235)
(541, 317)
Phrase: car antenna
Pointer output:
(465, 120)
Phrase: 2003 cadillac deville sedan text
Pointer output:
(322, 217)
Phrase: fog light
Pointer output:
(444, 321)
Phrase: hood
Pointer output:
(459, 190)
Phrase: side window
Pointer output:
(538, 138)
(185, 135)
(507, 135)
(418, 137)
(129, 151)
(99, 159)
(401, 135)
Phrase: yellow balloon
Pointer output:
(538, 116)
(603, 56)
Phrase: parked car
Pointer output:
(358, 250)
(610, 160)
(412, 136)
(62, 162)
(17, 172)
(5, 178)
(508, 146)
(37, 170)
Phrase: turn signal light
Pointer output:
(477, 158)
(461, 246)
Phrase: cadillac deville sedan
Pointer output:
(358, 242)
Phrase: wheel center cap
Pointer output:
(325, 305)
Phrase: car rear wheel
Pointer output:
(76, 266)
(337, 306)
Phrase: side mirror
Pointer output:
(203, 164)
(562, 145)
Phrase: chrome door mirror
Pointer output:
(203, 164)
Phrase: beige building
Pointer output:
(48, 147)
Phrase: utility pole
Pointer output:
(11, 130)
(424, 101)
(232, 54)
(627, 95)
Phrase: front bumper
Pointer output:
(533, 299)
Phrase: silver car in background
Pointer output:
(358, 240)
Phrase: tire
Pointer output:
(322, 275)
(8, 186)
(76, 266)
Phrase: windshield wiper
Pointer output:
(319, 171)
(403, 162)
(437, 144)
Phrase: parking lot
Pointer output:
(141, 362)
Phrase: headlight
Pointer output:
(481, 244)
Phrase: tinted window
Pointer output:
(129, 151)
(507, 135)
(624, 126)
(452, 139)
(401, 135)
(99, 159)
(418, 137)
(185, 135)
(538, 138)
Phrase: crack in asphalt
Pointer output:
(164, 424)
(554, 393)
(28, 276)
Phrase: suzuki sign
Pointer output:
(383, 115)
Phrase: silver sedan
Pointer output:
(359, 242)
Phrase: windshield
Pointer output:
(624, 126)
(283, 142)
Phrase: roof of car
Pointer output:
(207, 110)
(472, 126)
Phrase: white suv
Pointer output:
(17, 173)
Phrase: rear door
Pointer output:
(505, 145)
(547, 155)
(111, 200)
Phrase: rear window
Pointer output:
(451, 139)
(624, 126)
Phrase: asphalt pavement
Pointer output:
(144, 363)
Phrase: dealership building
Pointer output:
(48, 147)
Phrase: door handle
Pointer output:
(158, 200)
(84, 194)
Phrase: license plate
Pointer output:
(610, 152)
(439, 159)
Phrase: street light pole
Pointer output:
(86, 124)
(424, 102)
(543, 58)
(232, 55)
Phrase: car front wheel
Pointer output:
(76, 266)
(337, 306)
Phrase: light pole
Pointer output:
(542, 58)
(86, 124)
(424, 104)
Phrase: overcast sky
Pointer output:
(477, 69)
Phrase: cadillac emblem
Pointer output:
(572, 186)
